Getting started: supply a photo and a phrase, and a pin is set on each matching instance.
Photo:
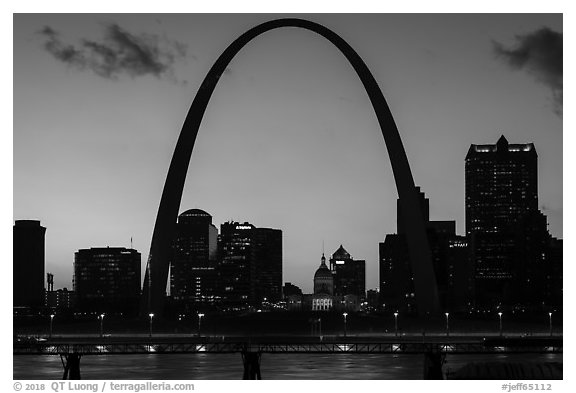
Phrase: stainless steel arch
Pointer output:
(154, 287)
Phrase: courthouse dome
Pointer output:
(323, 279)
(323, 272)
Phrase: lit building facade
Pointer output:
(324, 298)
(193, 277)
(28, 264)
(60, 299)
(250, 264)
(501, 185)
(235, 268)
(501, 192)
(107, 280)
(517, 263)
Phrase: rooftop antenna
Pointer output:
(131, 243)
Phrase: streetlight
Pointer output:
(101, 324)
(550, 319)
(447, 325)
(51, 319)
(199, 323)
(500, 315)
(151, 315)
(396, 323)
(345, 315)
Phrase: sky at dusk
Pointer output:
(289, 139)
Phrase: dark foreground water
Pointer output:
(273, 366)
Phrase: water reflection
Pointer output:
(229, 366)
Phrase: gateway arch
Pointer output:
(154, 287)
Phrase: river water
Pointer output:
(273, 366)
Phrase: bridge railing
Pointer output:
(161, 347)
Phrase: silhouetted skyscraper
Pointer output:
(107, 279)
(349, 274)
(501, 191)
(396, 287)
(28, 263)
(501, 185)
(250, 263)
(268, 260)
(236, 272)
(450, 260)
(193, 266)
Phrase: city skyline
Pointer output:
(293, 94)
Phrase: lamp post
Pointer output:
(550, 322)
(151, 315)
(447, 325)
(200, 315)
(500, 316)
(320, 326)
(396, 323)
(101, 325)
(51, 319)
(345, 315)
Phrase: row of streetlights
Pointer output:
(448, 323)
(200, 315)
(151, 315)
(101, 318)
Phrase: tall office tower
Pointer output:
(107, 280)
(450, 260)
(460, 275)
(268, 259)
(235, 268)
(250, 263)
(193, 265)
(396, 284)
(501, 185)
(28, 263)
(501, 193)
(349, 274)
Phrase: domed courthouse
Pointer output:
(340, 287)
(323, 299)
(323, 279)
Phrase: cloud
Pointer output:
(120, 52)
(540, 54)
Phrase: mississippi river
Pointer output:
(273, 366)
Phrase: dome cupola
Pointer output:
(323, 279)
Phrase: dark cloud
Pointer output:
(120, 52)
(539, 53)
